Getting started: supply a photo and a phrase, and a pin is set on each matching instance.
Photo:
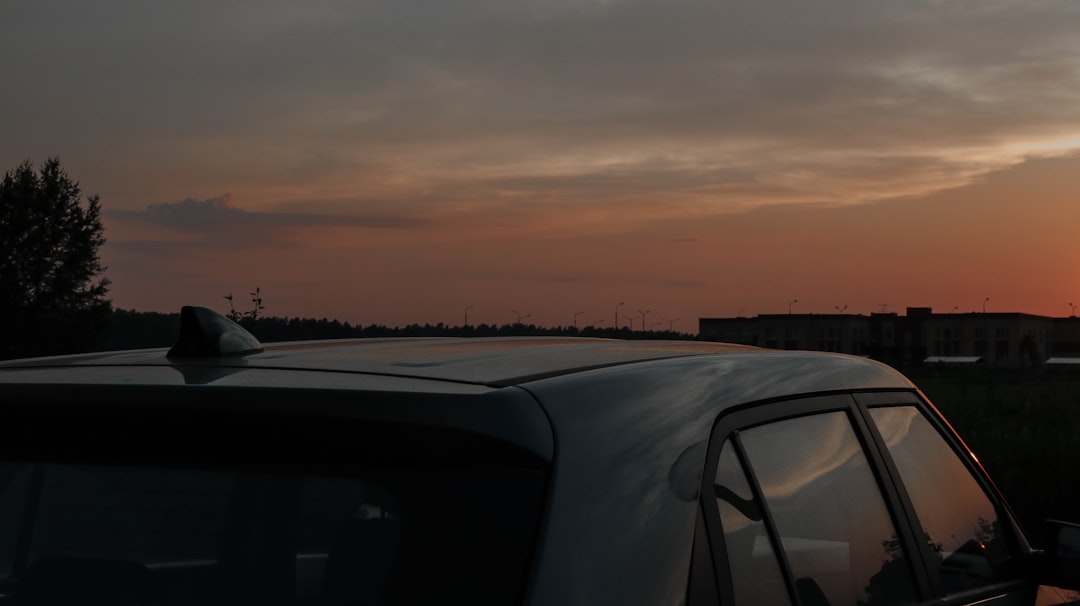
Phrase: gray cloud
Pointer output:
(529, 275)
(160, 250)
(220, 213)
(419, 96)
(218, 223)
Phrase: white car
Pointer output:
(535, 471)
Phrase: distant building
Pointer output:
(1066, 338)
(845, 333)
(1000, 339)
(1012, 340)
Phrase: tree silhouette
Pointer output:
(247, 319)
(52, 294)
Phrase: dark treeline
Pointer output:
(129, 329)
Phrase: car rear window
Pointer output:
(195, 508)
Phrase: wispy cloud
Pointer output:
(218, 223)
(594, 148)
(409, 101)
(220, 213)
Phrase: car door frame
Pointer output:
(1015, 536)
(855, 405)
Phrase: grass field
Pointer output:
(1022, 425)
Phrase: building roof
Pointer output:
(953, 360)
(1063, 361)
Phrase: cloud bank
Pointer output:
(716, 105)
(218, 223)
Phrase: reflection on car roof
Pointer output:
(489, 361)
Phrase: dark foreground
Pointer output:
(1023, 426)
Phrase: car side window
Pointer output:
(969, 546)
(755, 573)
(838, 538)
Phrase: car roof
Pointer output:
(507, 388)
(495, 361)
(490, 362)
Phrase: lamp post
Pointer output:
(985, 301)
(840, 308)
(576, 314)
(793, 301)
(1072, 310)
(520, 317)
(467, 308)
(616, 324)
(670, 323)
(643, 315)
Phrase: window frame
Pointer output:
(855, 405)
(1015, 536)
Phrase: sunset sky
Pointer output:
(397, 162)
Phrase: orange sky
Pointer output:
(398, 162)
(1008, 236)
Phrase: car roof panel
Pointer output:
(486, 361)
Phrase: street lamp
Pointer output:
(630, 321)
(643, 314)
(793, 301)
(1072, 309)
(576, 314)
(616, 324)
(670, 323)
(985, 301)
(740, 312)
(467, 308)
(520, 317)
(840, 308)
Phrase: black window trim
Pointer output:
(1017, 541)
(766, 517)
(702, 588)
(730, 423)
(879, 399)
(904, 512)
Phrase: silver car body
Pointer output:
(624, 425)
